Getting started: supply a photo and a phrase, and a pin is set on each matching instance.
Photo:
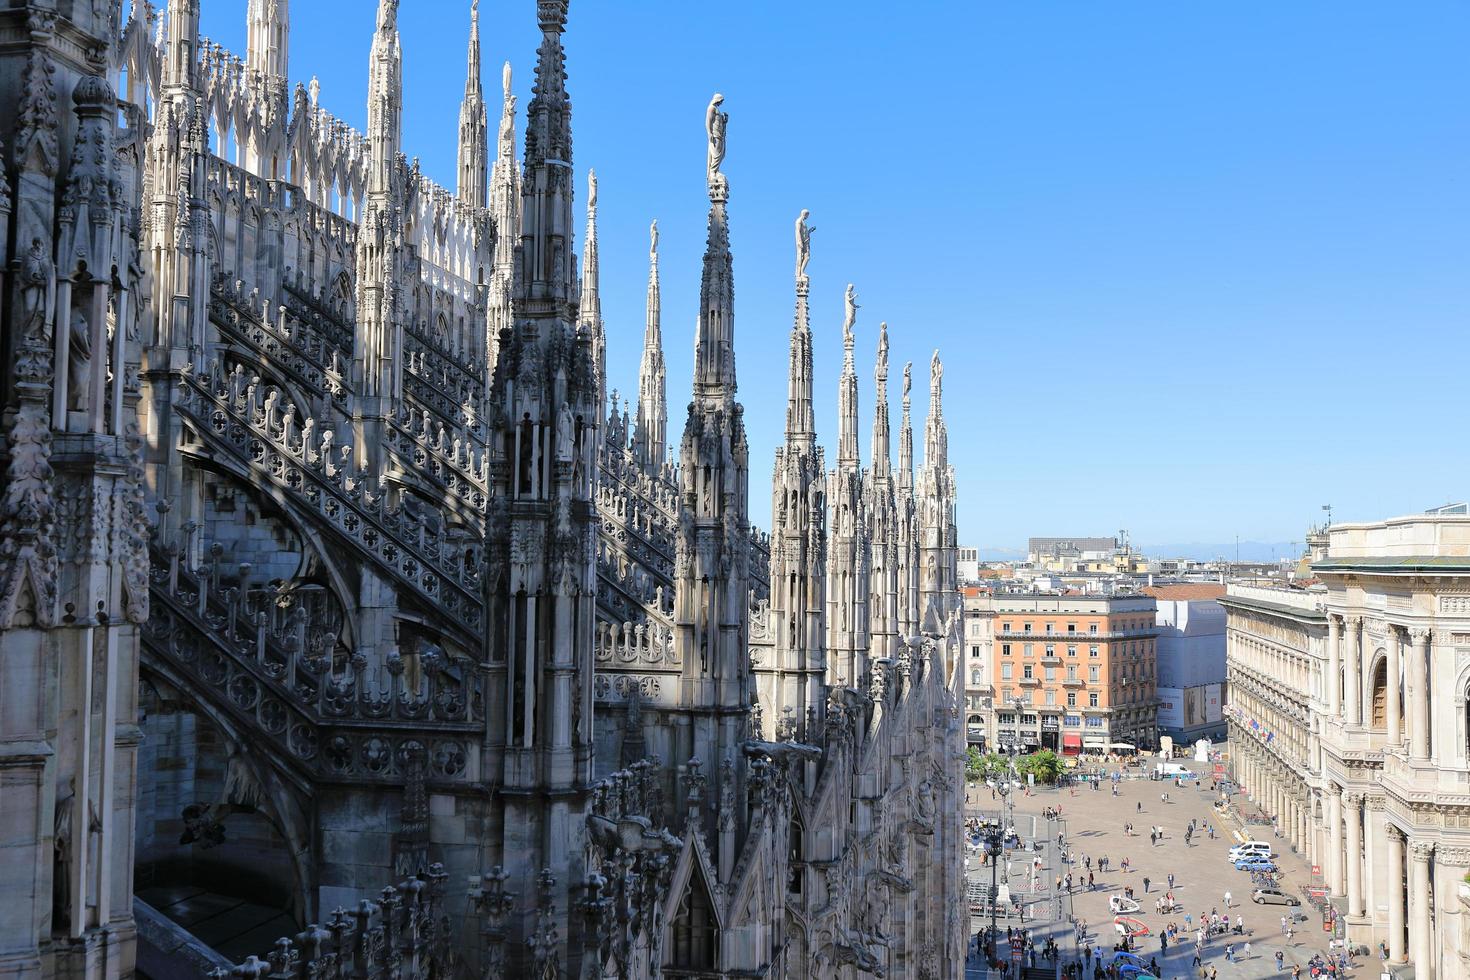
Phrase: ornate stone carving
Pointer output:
(27, 510)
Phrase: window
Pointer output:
(1071, 672)
(1051, 674)
(1051, 696)
(1072, 721)
(1071, 649)
(1071, 627)
(1028, 692)
(1026, 649)
(1071, 699)
(1092, 700)
(1007, 719)
(1027, 671)
(1005, 649)
(1094, 722)
(1007, 693)
(1026, 628)
(1048, 627)
(1092, 628)
(1092, 650)
(1051, 650)
(1005, 672)
(974, 678)
(1005, 627)
(1028, 719)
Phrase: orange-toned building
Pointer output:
(1074, 673)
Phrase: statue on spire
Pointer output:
(936, 373)
(881, 370)
(591, 192)
(908, 379)
(388, 15)
(715, 122)
(803, 243)
(851, 318)
(653, 241)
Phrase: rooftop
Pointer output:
(1186, 591)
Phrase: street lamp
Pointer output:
(992, 842)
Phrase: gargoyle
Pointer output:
(629, 835)
(782, 752)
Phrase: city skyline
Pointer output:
(1218, 255)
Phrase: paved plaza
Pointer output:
(1093, 824)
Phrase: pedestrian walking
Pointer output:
(1283, 925)
(1227, 900)
(1139, 806)
(1145, 884)
(1280, 961)
(1196, 961)
(1245, 950)
(1171, 879)
(1229, 952)
(1089, 881)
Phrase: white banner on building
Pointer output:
(1171, 707)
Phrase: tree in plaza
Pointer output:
(974, 765)
(1045, 765)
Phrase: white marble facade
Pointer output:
(313, 489)
(1362, 684)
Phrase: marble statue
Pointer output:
(715, 122)
(78, 361)
(850, 299)
(564, 433)
(803, 243)
(35, 278)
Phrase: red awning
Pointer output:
(1071, 744)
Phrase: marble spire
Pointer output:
(801, 425)
(651, 436)
(589, 315)
(936, 434)
(714, 348)
(546, 186)
(882, 463)
(385, 101)
(268, 26)
(505, 212)
(473, 123)
(906, 432)
(848, 455)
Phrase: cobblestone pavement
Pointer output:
(1094, 827)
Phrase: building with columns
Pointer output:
(1348, 722)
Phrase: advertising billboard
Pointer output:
(1171, 707)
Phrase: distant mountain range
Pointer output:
(1248, 551)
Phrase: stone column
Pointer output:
(1391, 688)
(1419, 694)
(1334, 839)
(1352, 685)
(1395, 885)
(1353, 813)
(1421, 945)
(1334, 666)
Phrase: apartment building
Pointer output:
(1073, 673)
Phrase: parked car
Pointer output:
(1255, 864)
(1251, 848)
(1274, 896)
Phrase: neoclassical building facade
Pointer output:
(335, 579)
(1348, 722)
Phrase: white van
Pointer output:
(1169, 770)
(1250, 849)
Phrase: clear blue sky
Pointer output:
(1196, 268)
